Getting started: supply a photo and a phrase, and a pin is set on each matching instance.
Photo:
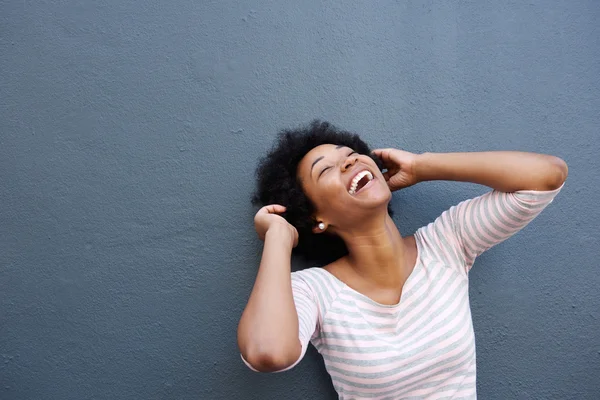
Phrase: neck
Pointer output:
(377, 252)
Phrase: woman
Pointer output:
(390, 314)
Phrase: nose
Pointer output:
(350, 161)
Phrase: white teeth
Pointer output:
(357, 178)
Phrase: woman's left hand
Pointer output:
(401, 168)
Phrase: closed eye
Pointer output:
(321, 173)
(326, 168)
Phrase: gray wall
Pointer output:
(129, 132)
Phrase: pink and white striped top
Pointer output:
(424, 346)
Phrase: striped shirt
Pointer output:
(424, 346)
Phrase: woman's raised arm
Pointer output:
(268, 329)
(505, 171)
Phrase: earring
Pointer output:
(321, 226)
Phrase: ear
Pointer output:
(319, 227)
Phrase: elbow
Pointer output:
(558, 173)
(268, 360)
(268, 354)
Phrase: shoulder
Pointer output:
(319, 283)
(316, 277)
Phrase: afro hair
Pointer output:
(277, 183)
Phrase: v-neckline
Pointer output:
(406, 285)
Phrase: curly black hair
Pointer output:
(277, 184)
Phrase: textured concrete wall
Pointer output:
(129, 132)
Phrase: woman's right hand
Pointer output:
(268, 218)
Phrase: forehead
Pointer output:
(317, 153)
(321, 150)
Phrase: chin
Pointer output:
(374, 203)
(378, 203)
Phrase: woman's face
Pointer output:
(343, 185)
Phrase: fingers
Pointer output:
(272, 209)
(383, 152)
(386, 155)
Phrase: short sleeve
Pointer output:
(308, 313)
(468, 229)
(308, 316)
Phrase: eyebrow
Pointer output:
(314, 162)
(320, 158)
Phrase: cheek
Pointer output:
(333, 188)
(327, 195)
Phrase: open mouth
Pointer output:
(360, 181)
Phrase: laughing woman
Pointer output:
(389, 314)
